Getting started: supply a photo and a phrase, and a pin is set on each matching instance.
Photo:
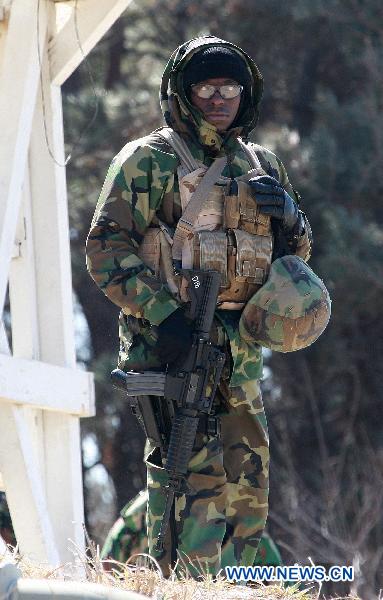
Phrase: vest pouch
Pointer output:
(252, 257)
(210, 253)
(242, 212)
(231, 215)
(242, 259)
(248, 260)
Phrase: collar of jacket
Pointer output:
(190, 123)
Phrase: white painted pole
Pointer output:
(19, 77)
(23, 485)
(22, 284)
(62, 450)
(44, 386)
(94, 18)
(40, 454)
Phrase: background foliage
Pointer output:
(322, 113)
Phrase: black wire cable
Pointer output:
(43, 102)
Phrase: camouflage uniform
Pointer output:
(228, 477)
(128, 536)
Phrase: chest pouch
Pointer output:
(231, 236)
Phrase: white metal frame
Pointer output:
(42, 394)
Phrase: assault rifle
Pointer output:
(186, 389)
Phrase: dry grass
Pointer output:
(143, 575)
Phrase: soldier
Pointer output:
(248, 227)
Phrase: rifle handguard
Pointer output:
(184, 429)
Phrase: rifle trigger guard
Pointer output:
(213, 426)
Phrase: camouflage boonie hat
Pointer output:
(291, 309)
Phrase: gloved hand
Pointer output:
(273, 200)
(174, 338)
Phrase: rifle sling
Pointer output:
(199, 197)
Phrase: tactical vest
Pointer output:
(228, 233)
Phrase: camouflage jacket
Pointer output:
(141, 186)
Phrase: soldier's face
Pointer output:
(218, 111)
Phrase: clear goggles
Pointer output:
(227, 91)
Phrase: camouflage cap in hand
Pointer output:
(291, 309)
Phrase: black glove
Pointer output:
(273, 200)
(174, 338)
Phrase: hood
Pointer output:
(182, 116)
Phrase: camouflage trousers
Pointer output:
(220, 521)
(128, 537)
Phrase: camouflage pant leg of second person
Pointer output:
(246, 463)
(268, 553)
(128, 534)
